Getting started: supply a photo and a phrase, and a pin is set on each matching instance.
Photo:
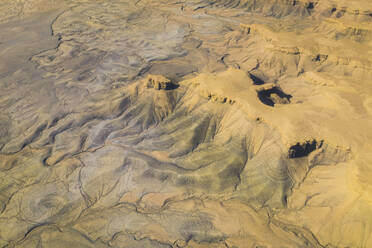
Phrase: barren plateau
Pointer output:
(174, 123)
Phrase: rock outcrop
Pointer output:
(159, 82)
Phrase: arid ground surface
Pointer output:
(200, 123)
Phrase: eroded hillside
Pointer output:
(202, 123)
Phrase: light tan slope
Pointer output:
(328, 114)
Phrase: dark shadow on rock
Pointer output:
(256, 80)
(303, 149)
(273, 96)
(172, 86)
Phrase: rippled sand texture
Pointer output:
(201, 123)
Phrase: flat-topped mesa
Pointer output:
(219, 98)
(159, 82)
(263, 31)
(245, 28)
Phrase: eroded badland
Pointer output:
(201, 123)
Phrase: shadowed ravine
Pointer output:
(185, 123)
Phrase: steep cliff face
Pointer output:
(185, 124)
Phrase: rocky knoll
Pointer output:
(201, 123)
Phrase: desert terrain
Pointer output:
(185, 123)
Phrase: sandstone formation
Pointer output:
(159, 82)
(201, 123)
